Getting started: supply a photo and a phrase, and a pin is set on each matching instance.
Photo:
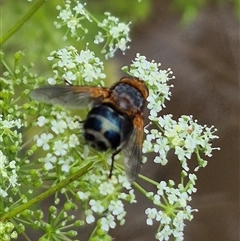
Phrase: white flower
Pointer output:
(115, 32)
(58, 126)
(156, 199)
(66, 163)
(106, 188)
(18, 123)
(83, 195)
(8, 174)
(79, 8)
(41, 121)
(193, 178)
(164, 234)
(190, 143)
(3, 193)
(43, 140)
(96, 206)
(89, 217)
(3, 160)
(89, 73)
(72, 25)
(8, 124)
(108, 222)
(147, 146)
(116, 207)
(180, 153)
(60, 148)
(49, 161)
(51, 81)
(98, 38)
(159, 159)
(124, 181)
(13, 178)
(123, 28)
(69, 75)
(65, 15)
(162, 186)
(165, 219)
(84, 56)
(166, 121)
(132, 197)
(12, 164)
(162, 146)
(73, 122)
(73, 140)
(152, 213)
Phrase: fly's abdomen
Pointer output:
(105, 128)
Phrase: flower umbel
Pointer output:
(73, 18)
(8, 167)
(185, 136)
(111, 31)
(78, 67)
(103, 197)
(156, 80)
(116, 34)
(172, 208)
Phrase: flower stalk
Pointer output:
(86, 167)
(22, 21)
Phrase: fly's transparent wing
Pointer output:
(132, 149)
(69, 96)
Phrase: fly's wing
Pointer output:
(69, 96)
(132, 149)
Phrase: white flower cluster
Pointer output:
(156, 80)
(173, 201)
(114, 33)
(83, 66)
(72, 17)
(185, 136)
(61, 142)
(117, 35)
(9, 137)
(104, 197)
(8, 174)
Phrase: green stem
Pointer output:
(140, 189)
(84, 169)
(7, 67)
(149, 180)
(17, 26)
(93, 232)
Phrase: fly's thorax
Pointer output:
(106, 128)
(127, 98)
